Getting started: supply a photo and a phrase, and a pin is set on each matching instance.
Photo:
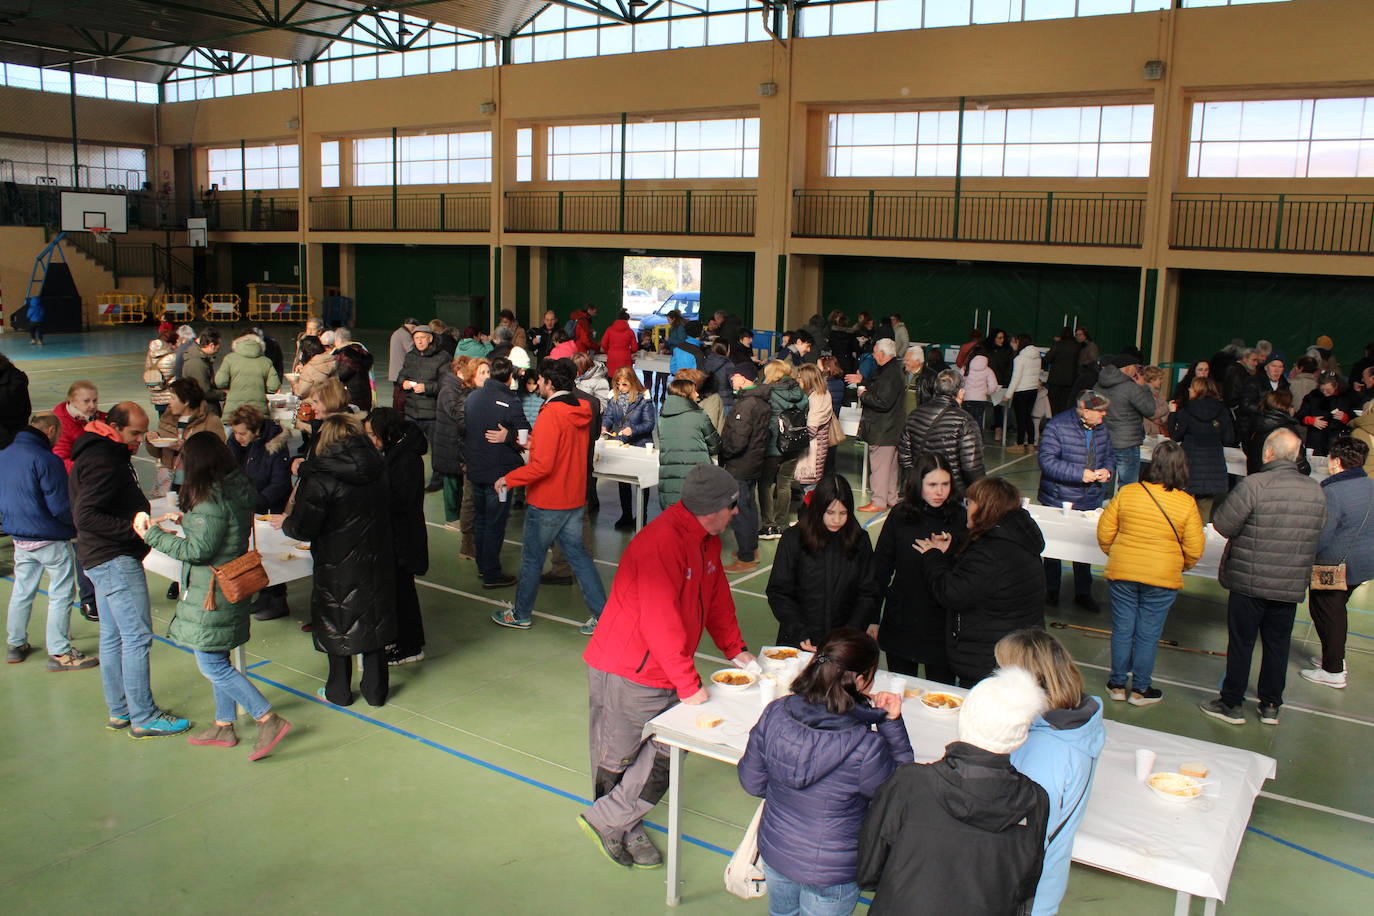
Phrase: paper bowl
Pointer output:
(160, 441)
(735, 674)
(932, 703)
(1174, 787)
(770, 663)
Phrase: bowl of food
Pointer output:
(942, 704)
(776, 658)
(733, 679)
(1174, 787)
(161, 441)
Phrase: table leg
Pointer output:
(1209, 906)
(239, 659)
(674, 822)
(639, 508)
(863, 480)
(1183, 903)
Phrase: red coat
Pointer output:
(556, 475)
(72, 427)
(620, 345)
(668, 588)
(582, 331)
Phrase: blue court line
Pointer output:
(265, 661)
(1312, 852)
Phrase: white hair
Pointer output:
(916, 352)
(886, 346)
(327, 338)
(342, 336)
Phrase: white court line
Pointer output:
(1008, 464)
(1313, 806)
(758, 572)
(75, 369)
(747, 592)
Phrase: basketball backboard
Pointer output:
(83, 211)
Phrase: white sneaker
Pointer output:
(1324, 677)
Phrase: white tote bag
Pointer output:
(744, 875)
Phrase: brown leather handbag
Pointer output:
(240, 578)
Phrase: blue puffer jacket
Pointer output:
(34, 505)
(817, 772)
(639, 415)
(1060, 754)
(1067, 448)
(1348, 499)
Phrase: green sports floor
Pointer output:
(461, 793)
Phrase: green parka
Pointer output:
(247, 375)
(686, 438)
(214, 532)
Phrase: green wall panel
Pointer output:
(249, 263)
(1291, 310)
(521, 305)
(330, 261)
(396, 281)
(938, 299)
(578, 277)
(727, 282)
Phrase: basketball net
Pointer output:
(101, 234)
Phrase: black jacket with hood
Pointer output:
(744, 440)
(405, 471)
(963, 835)
(105, 496)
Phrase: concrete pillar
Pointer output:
(312, 271)
(348, 278)
(539, 285)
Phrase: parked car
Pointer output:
(688, 303)
(638, 302)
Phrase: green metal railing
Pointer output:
(254, 214)
(1016, 217)
(468, 211)
(134, 259)
(1292, 223)
(667, 212)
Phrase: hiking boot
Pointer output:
(1268, 714)
(163, 725)
(1116, 691)
(1147, 697)
(505, 617)
(394, 658)
(613, 849)
(74, 660)
(642, 851)
(740, 566)
(551, 579)
(1231, 715)
(588, 628)
(270, 731)
(16, 654)
(1325, 678)
(215, 736)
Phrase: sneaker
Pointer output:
(1316, 662)
(396, 658)
(74, 660)
(270, 731)
(321, 694)
(1321, 676)
(1146, 697)
(773, 534)
(215, 736)
(611, 849)
(1231, 715)
(163, 725)
(116, 723)
(89, 611)
(1087, 603)
(642, 851)
(588, 628)
(16, 654)
(505, 617)
(499, 582)
(1268, 714)
(1116, 691)
(740, 566)
(551, 579)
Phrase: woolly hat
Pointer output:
(998, 711)
(708, 488)
(1326, 343)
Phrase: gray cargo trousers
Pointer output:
(630, 773)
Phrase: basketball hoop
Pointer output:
(101, 233)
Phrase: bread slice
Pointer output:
(1195, 770)
(706, 720)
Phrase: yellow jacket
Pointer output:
(1139, 544)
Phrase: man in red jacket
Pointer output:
(556, 493)
(583, 334)
(668, 588)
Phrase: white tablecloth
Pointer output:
(1189, 847)
(1235, 459)
(279, 559)
(652, 362)
(849, 420)
(629, 463)
(1073, 537)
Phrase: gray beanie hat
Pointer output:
(708, 488)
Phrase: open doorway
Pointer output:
(653, 286)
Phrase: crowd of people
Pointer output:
(954, 589)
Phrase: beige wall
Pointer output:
(20, 245)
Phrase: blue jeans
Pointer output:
(126, 632)
(1138, 615)
(59, 561)
(789, 898)
(489, 529)
(1127, 466)
(231, 687)
(542, 528)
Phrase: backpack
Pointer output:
(793, 433)
(571, 329)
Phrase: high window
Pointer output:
(1285, 138)
(717, 148)
(100, 87)
(255, 168)
(449, 158)
(211, 74)
(96, 166)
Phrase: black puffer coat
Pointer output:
(941, 426)
(450, 425)
(354, 364)
(1265, 423)
(1203, 426)
(342, 508)
(405, 471)
(744, 440)
(913, 622)
(812, 594)
(266, 462)
(1316, 405)
(424, 367)
(882, 404)
(15, 406)
(991, 587)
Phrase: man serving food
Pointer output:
(669, 586)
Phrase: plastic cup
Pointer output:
(1067, 508)
(1025, 502)
(1144, 764)
(649, 447)
(768, 690)
(897, 684)
(522, 436)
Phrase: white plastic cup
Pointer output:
(1144, 764)
(1025, 502)
(522, 436)
(1067, 507)
(649, 447)
(897, 684)
(501, 493)
(768, 690)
